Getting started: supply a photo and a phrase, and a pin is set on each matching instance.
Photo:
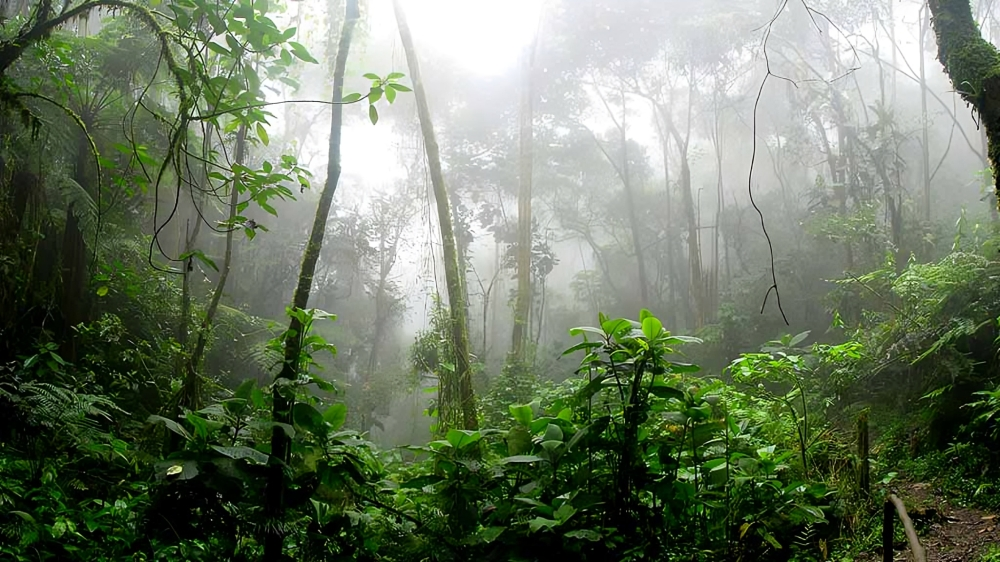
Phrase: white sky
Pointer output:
(481, 36)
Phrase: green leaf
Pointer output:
(351, 98)
(372, 76)
(539, 523)
(522, 413)
(461, 438)
(218, 49)
(373, 114)
(170, 424)
(585, 534)
(553, 433)
(398, 87)
(375, 94)
(651, 327)
(262, 134)
(321, 383)
(176, 469)
(102, 290)
(301, 52)
(521, 459)
(309, 418)
(665, 391)
(336, 415)
(390, 95)
(242, 453)
(395, 76)
(200, 256)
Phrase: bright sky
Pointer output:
(482, 36)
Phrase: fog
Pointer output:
(704, 161)
(838, 172)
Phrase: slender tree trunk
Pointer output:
(671, 273)
(973, 64)
(640, 255)
(465, 416)
(213, 306)
(522, 306)
(925, 170)
(696, 282)
(274, 507)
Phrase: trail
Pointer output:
(950, 533)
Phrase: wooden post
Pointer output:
(888, 519)
(864, 468)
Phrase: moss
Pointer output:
(973, 64)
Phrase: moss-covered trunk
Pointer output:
(973, 64)
(282, 406)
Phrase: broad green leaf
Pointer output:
(553, 433)
(351, 98)
(373, 114)
(522, 413)
(390, 95)
(309, 418)
(170, 424)
(651, 327)
(539, 523)
(395, 76)
(242, 453)
(521, 459)
(398, 87)
(102, 290)
(372, 76)
(461, 438)
(375, 94)
(262, 134)
(336, 415)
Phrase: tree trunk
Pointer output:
(925, 155)
(220, 286)
(282, 404)
(671, 274)
(522, 306)
(459, 384)
(973, 64)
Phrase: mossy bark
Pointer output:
(973, 64)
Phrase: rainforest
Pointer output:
(471, 280)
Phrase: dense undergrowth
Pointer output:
(137, 361)
(636, 456)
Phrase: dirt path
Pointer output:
(949, 533)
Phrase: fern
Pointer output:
(69, 413)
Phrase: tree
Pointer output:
(522, 306)
(457, 401)
(973, 64)
(282, 405)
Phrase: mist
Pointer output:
(474, 280)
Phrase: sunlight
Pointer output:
(483, 36)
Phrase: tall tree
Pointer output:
(522, 306)
(282, 404)
(973, 64)
(457, 400)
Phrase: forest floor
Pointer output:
(949, 532)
